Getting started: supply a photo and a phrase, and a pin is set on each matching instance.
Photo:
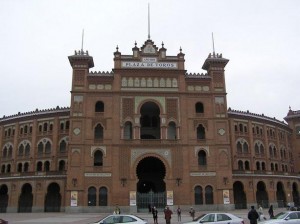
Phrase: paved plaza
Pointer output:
(85, 218)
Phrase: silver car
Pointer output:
(288, 217)
(122, 218)
(217, 218)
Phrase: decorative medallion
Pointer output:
(221, 131)
(76, 131)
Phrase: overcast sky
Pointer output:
(259, 37)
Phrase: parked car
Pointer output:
(217, 218)
(288, 217)
(121, 218)
(2, 221)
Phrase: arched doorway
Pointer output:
(296, 195)
(262, 195)
(26, 199)
(151, 188)
(240, 199)
(280, 195)
(150, 121)
(53, 198)
(3, 198)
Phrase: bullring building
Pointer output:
(147, 133)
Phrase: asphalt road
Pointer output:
(85, 218)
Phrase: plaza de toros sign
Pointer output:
(149, 63)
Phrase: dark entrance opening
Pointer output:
(262, 195)
(296, 195)
(280, 195)
(26, 199)
(3, 198)
(240, 200)
(53, 198)
(151, 188)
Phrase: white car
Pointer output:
(288, 217)
(121, 218)
(217, 218)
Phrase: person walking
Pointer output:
(192, 213)
(154, 213)
(179, 214)
(271, 212)
(117, 210)
(253, 215)
(168, 215)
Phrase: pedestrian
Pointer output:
(168, 215)
(154, 213)
(179, 214)
(271, 212)
(192, 213)
(261, 213)
(149, 208)
(117, 210)
(253, 215)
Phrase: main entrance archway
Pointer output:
(151, 188)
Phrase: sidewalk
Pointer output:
(85, 218)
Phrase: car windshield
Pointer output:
(280, 215)
(199, 217)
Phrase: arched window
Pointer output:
(128, 130)
(262, 149)
(272, 167)
(8, 168)
(200, 132)
(172, 130)
(45, 127)
(26, 167)
(98, 132)
(4, 152)
(199, 108)
(92, 196)
(47, 166)
(99, 107)
(98, 158)
(27, 150)
(209, 196)
(63, 146)
(263, 166)
(256, 147)
(10, 149)
(39, 166)
(257, 165)
(40, 148)
(67, 125)
(62, 126)
(240, 165)
(202, 158)
(21, 150)
(103, 196)
(20, 166)
(48, 147)
(276, 167)
(198, 194)
(62, 165)
(245, 148)
(247, 165)
(239, 147)
(241, 127)
(3, 168)
(275, 152)
(25, 129)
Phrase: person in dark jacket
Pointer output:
(168, 215)
(271, 212)
(253, 215)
